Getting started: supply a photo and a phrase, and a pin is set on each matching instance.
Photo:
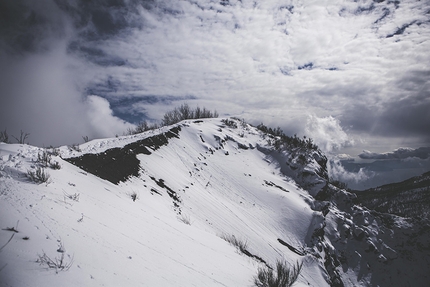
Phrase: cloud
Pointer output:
(385, 168)
(100, 116)
(338, 172)
(400, 153)
(28, 26)
(42, 98)
(327, 133)
(407, 116)
(345, 157)
(401, 116)
(330, 137)
(39, 98)
(267, 61)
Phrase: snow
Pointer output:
(222, 182)
(111, 240)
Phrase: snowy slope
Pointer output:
(195, 182)
(112, 240)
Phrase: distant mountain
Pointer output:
(409, 198)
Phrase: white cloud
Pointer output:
(330, 137)
(102, 120)
(343, 156)
(327, 133)
(336, 171)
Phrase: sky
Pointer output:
(353, 75)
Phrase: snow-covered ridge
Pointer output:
(162, 224)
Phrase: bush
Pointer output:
(141, 127)
(279, 139)
(58, 263)
(74, 197)
(284, 276)
(134, 196)
(54, 151)
(4, 137)
(38, 176)
(241, 245)
(185, 219)
(229, 123)
(44, 158)
(74, 147)
(55, 165)
(22, 137)
(184, 112)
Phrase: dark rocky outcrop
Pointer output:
(119, 164)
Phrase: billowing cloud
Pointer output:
(330, 137)
(338, 172)
(101, 118)
(400, 153)
(344, 157)
(327, 133)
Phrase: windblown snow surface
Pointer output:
(194, 184)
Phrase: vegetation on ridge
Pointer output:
(4, 137)
(281, 139)
(183, 112)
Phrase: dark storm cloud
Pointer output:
(360, 117)
(404, 114)
(26, 25)
(401, 153)
(104, 18)
(408, 116)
